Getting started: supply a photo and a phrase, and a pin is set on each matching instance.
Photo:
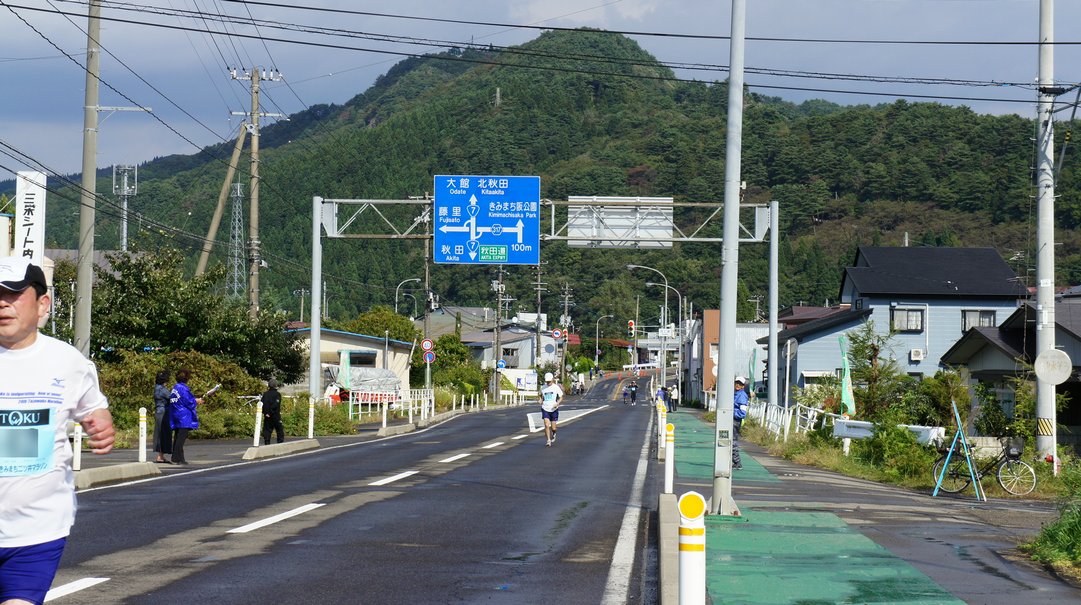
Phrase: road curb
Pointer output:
(280, 449)
(396, 429)
(114, 474)
(436, 419)
(668, 547)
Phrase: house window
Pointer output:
(974, 318)
(906, 320)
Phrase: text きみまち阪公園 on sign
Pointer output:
(487, 220)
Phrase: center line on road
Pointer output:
(394, 478)
(272, 520)
(491, 445)
(70, 587)
(520, 436)
(453, 458)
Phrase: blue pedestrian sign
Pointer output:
(487, 220)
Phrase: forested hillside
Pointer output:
(615, 125)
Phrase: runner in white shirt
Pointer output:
(551, 397)
(44, 384)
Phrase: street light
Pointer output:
(404, 281)
(679, 313)
(414, 315)
(663, 356)
(597, 340)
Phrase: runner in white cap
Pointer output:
(551, 397)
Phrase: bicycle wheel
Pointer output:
(1016, 477)
(957, 477)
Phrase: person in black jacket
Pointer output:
(272, 412)
(163, 427)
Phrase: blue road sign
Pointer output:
(429, 357)
(487, 220)
(501, 364)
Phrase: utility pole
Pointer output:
(721, 503)
(126, 186)
(537, 341)
(230, 172)
(498, 287)
(87, 207)
(427, 218)
(254, 258)
(301, 292)
(1045, 228)
(565, 321)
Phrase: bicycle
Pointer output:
(1013, 474)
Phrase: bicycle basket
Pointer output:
(1013, 446)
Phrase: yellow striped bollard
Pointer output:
(692, 549)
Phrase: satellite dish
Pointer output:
(1053, 366)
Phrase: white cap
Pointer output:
(741, 380)
(548, 377)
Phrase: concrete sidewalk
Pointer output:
(779, 554)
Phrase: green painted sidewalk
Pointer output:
(771, 557)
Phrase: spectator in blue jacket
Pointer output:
(739, 412)
(184, 416)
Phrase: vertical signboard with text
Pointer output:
(30, 216)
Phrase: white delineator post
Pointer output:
(77, 447)
(669, 457)
(385, 406)
(258, 423)
(311, 418)
(662, 420)
(142, 434)
(692, 549)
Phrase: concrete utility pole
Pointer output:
(254, 257)
(219, 210)
(497, 351)
(722, 503)
(84, 288)
(1045, 228)
(540, 288)
(565, 321)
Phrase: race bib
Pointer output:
(26, 441)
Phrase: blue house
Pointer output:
(927, 297)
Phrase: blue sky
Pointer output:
(41, 105)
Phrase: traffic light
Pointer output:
(630, 328)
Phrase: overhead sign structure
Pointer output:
(487, 220)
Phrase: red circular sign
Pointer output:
(557, 334)
(427, 344)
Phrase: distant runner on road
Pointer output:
(551, 397)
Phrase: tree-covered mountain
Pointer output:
(593, 114)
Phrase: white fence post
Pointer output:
(142, 434)
(311, 417)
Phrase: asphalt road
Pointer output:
(473, 510)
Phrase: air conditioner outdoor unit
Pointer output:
(916, 354)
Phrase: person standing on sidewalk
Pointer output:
(739, 412)
(272, 412)
(184, 417)
(551, 397)
(44, 385)
(163, 426)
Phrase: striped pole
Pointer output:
(692, 549)
(258, 423)
(669, 457)
(311, 417)
(142, 434)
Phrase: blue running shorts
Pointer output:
(27, 572)
(553, 416)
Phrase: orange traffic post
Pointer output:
(692, 549)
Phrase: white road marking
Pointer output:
(394, 478)
(70, 587)
(517, 437)
(272, 520)
(617, 589)
(453, 458)
(491, 445)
